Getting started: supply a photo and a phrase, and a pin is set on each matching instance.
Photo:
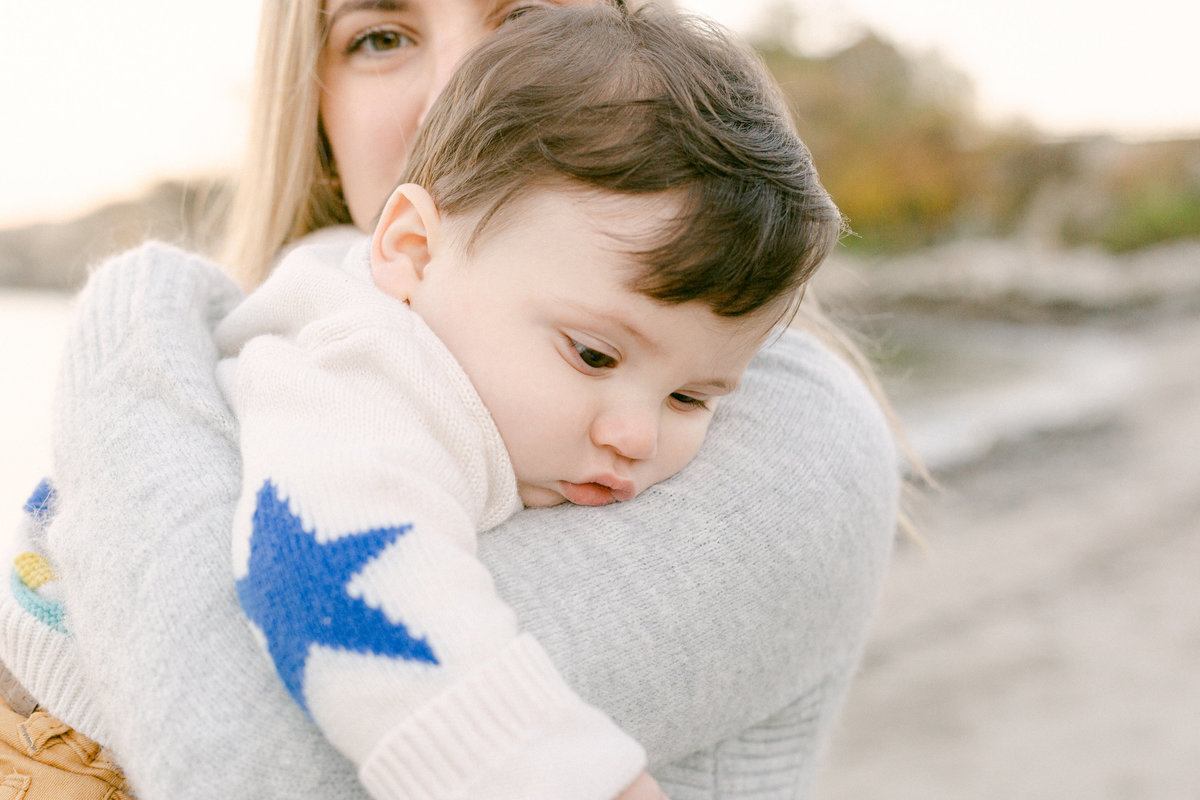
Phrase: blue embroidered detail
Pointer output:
(39, 503)
(48, 611)
(295, 592)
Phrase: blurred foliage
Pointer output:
(1158, 213)
(901, 148)
(1153, 195)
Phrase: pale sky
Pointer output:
(102, 99)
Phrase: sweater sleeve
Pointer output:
(147, 475)
(369, 463)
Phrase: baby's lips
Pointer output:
(588, 494)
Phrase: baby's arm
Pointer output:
(368, 464)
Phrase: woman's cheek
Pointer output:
(370, 128)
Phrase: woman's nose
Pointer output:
(450, 50)
(633, 434)
(437, 82)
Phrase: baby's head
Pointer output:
(604, 216)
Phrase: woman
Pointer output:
(718, 619)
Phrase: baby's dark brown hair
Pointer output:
(638, 103)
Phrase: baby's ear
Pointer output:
(404, 240)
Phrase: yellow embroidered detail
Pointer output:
(33, 569)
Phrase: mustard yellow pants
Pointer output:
(43, 759)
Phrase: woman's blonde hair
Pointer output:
(287, 186)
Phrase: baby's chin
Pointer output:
(539, 496)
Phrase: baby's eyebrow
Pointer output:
(634, 331)
(720, 384)
(617, 318)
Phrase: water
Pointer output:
(963, 387)
(32, 329)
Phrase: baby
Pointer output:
(604, 217)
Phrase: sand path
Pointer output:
(1048, 645)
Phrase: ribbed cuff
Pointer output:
(44, 661)
(511, 731)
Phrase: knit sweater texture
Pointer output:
(717, 618)
(369, 465)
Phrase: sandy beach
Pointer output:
(1046, 642)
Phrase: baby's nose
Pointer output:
(633, 434)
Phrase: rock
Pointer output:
(1014, 278)
(56, 255)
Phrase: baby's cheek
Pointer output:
(688, 442)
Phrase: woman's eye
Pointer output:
(593, 358)
(687, 402)
(378, 40)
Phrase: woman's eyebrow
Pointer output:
(366, 5)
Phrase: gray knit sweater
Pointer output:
(718, 618)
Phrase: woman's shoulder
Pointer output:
(817, 397)
(748, 578)
(812, 474)
(798, 353)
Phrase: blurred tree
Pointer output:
(900, 146)
(888, 135)
(1151, 193)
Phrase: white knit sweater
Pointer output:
(370, 465)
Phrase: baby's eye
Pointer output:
(516, 11)
(519, 11)
(592, 357)
(687, 402)
(378, 40)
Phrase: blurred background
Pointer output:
(1023, 182)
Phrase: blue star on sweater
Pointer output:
(295, 592)
(41, 502)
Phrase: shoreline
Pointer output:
(1045, 644)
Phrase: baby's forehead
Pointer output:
(631, 223)
(602, 244)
